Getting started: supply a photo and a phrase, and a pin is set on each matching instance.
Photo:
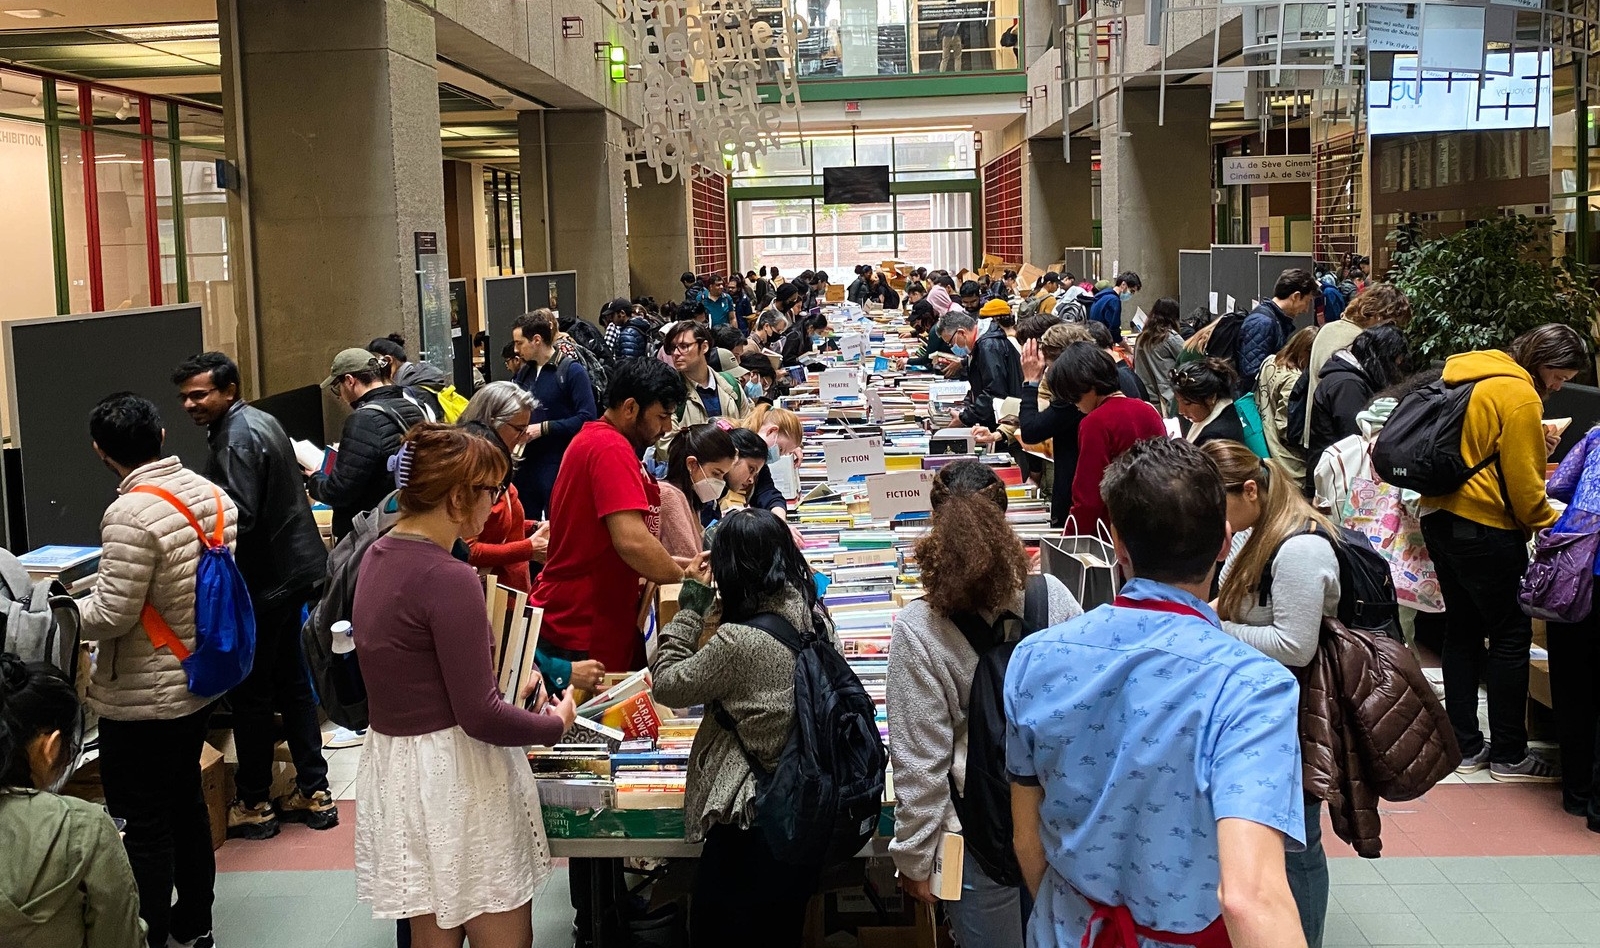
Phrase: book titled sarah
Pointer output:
(626, 706)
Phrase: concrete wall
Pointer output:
(659, 248)
(587, 222)
(1057, 207)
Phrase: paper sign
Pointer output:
(902, 492)
(874, 406)
(839, 383)
(1230, 304)
(852, 346)
(1213, 303)
(856, 456)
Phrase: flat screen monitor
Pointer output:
(860, 184)
(1513, 92)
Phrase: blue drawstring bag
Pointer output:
(224, 622)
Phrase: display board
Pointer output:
(1269, 266)
(1084, 263)
(506, 298)
(1234, 273)
(1581, 403)
(65, 487)
(299, 411)
(1194, 281)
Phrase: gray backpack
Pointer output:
(338, 598)
(41, 622)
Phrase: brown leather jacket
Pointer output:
(1370, 728)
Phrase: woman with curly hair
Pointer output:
(975, 570)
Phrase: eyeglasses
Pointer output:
(195, 395)
(495, 491)
(679, 347)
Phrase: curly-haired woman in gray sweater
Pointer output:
(971, 562)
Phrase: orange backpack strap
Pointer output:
(208, 541)
(157, 628)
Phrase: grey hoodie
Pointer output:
(65, 880)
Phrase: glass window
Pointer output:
(200, 126)
(115, 110)
(780, 231)
(28, 275)
(21, 95)
(207, 247)
(124, 247)
(75, 221)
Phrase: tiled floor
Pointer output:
(1474, 862)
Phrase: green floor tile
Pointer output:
(1434, 898)
(1471, 869)
(1341, 932)
(1562, 898)
(1351, 871)
(1460, 928)
(1403, 929)
(1501, 898)
(1531, 928)
(1584, 926)
(1409, 871)
(1366, 899)
(1534, 869)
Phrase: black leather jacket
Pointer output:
(279, 550)
(994, 370)
(361, 477)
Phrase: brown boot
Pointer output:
(317, 811)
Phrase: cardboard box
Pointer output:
(1539, 681)
(216, 785)
(667, 605)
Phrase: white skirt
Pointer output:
(446, 825)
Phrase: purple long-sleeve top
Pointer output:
(1576, 483)
(422, 634)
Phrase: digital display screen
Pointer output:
(1512, 92)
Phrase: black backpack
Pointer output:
(1224, 341)
(985, 808)
(1367, 599)
(568, 352)
(1295, 418)
(1419, 447)
(1194, 322)
(821, 804)
(337, 678)
(586, 335)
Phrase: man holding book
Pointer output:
(281, 556)
(1155, 759)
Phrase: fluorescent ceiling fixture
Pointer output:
(37, 13)
(175, 31)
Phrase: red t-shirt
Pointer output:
(1103, 435)
(589, 595)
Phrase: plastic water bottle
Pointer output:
(344, 637)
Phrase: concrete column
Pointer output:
(1155, 186)
(464, 225)
(588, 227)
(535, 190)
(339, 119)
(658, 237)
(1057, 204)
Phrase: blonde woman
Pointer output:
(1278, 534)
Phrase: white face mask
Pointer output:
(708, 488)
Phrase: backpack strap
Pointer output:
(390, 413)
(1036, 604)
(784, 631)
(1264, 587)
(157, 628)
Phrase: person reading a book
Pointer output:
(700, 459)
(65, 878)
(742, 895)
(974, 568)
(1146, 706)
(448, 832)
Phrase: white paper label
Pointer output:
(856, 456)
(839, 383)
(889, 495)
(853, 346)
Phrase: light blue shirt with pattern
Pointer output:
(1144, 728)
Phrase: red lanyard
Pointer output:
(1160, 605)
(1121, 931)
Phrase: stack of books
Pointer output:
(75, 567)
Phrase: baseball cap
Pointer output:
(617, 305)
(1052, 277)
(348, 361)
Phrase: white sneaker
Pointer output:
(344, 737)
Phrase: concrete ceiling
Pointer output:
(84, 13)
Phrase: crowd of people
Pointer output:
(1153, 745)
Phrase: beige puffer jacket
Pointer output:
(148, 551)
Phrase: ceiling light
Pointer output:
(122, 110)
(174, 31)
(37, 13)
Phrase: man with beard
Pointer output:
(605, 536)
